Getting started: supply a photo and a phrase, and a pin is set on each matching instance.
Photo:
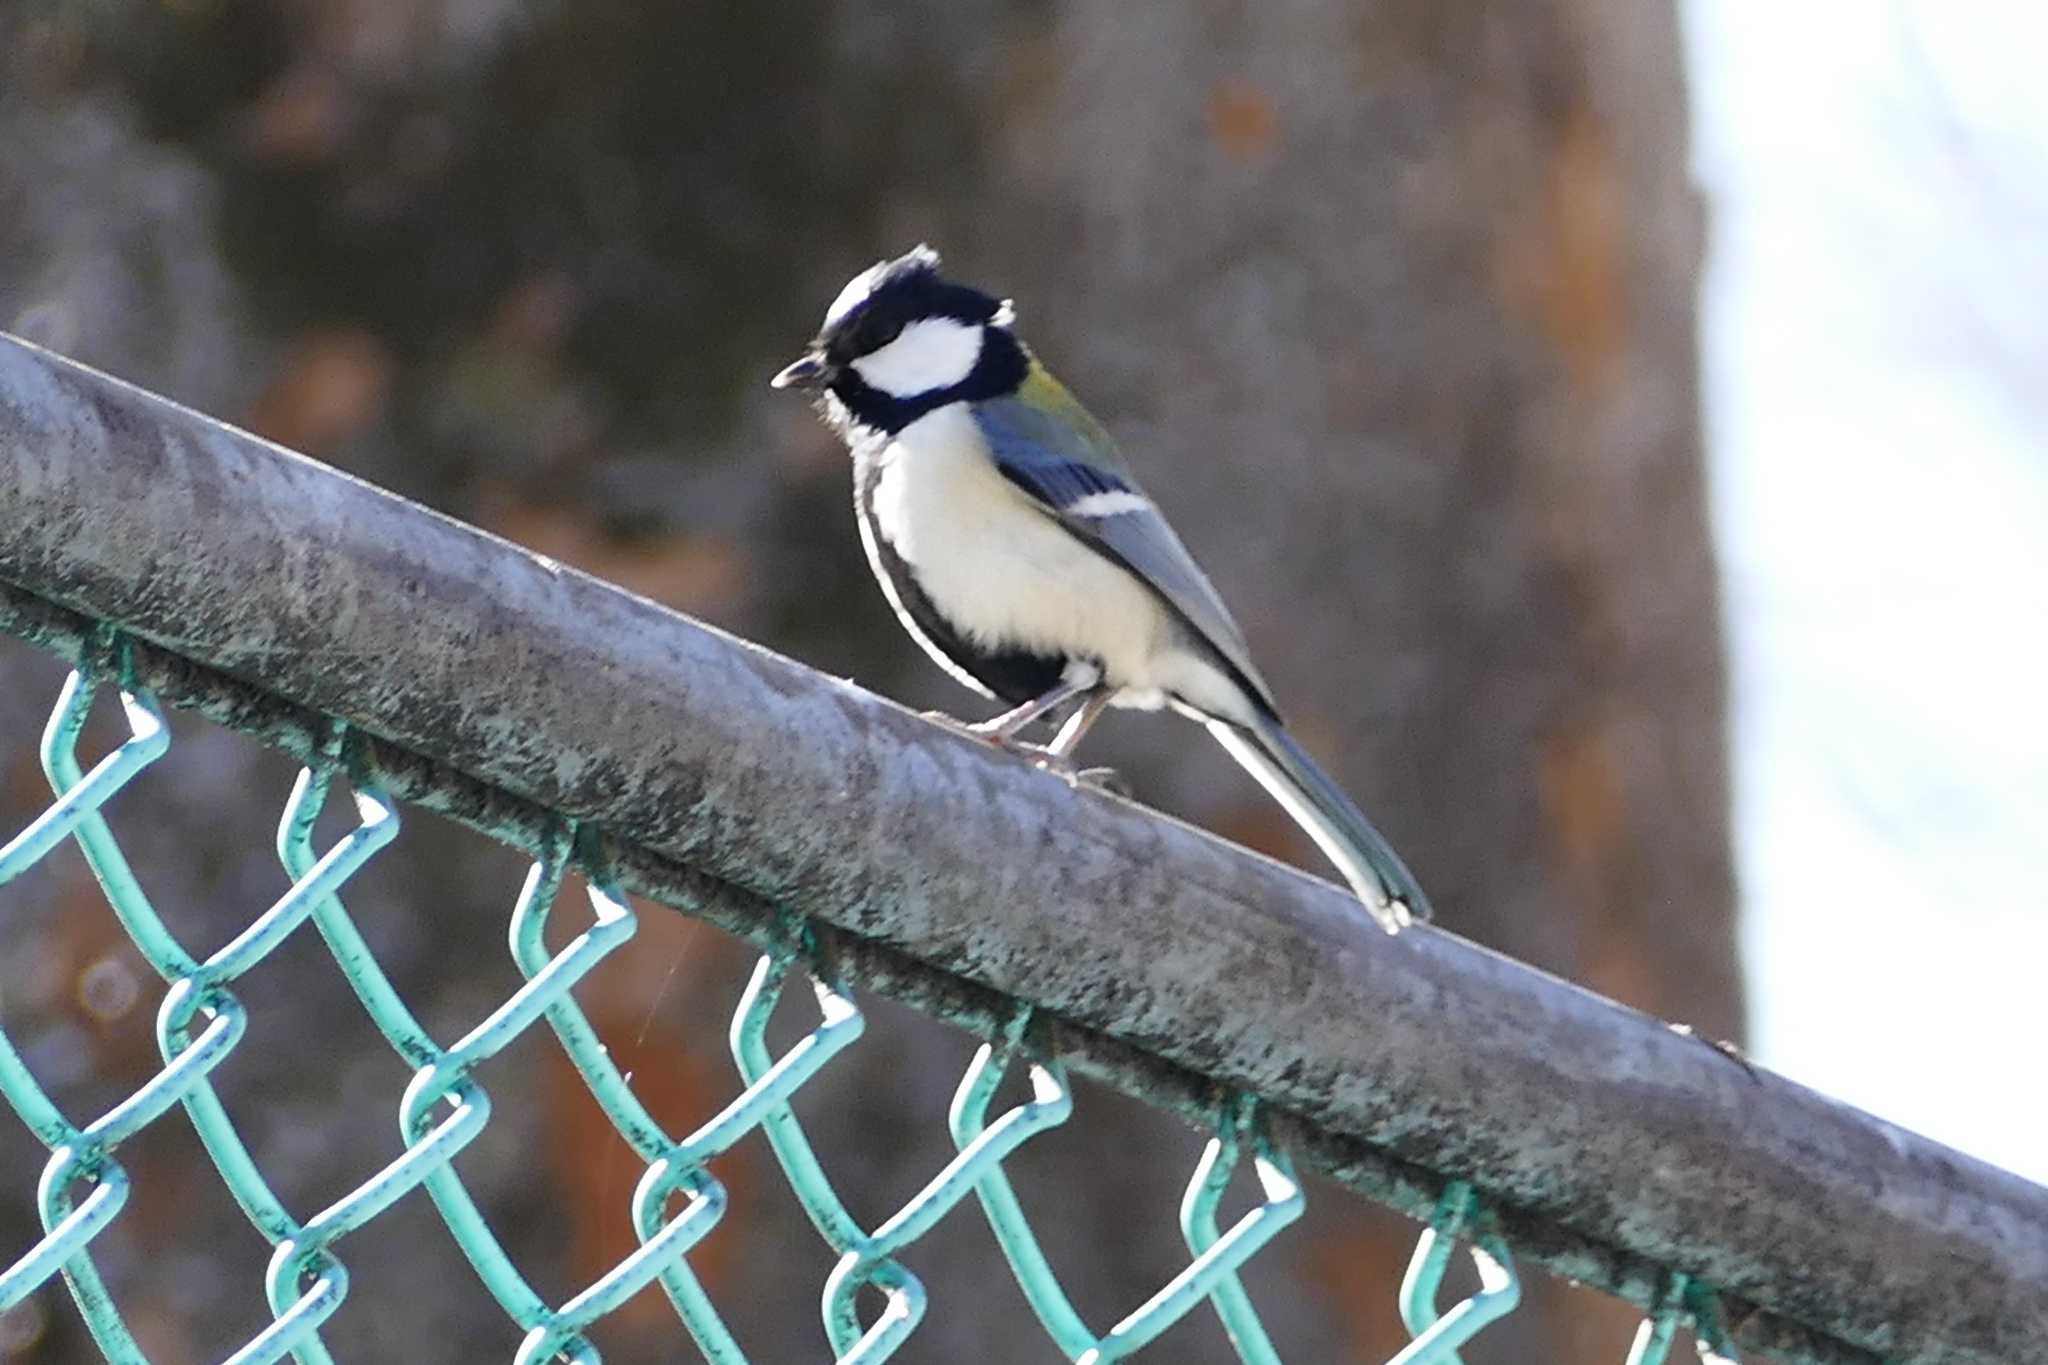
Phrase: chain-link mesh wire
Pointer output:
(677, 1200)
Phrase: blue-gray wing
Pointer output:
(1070, 467)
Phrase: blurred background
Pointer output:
(1618, 425)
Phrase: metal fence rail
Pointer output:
(180, 562)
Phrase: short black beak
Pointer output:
(813, 371)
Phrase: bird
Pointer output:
(1015, 545)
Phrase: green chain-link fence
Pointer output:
(84, 1187)
(200, 1022)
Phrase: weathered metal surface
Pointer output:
(735, 779)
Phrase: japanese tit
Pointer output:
(1016, 547)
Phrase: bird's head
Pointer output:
(901, 340)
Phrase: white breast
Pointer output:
(1006, 574)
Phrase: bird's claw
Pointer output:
(985, 731)
(990, 732)
(1095, 779)
(1059, 765)
(1392, 915)
(1038, 755)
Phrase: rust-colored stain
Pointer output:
(102, 982)
(696, 573)
(1583, 1324)
(1264, 827)
(679, 1073)
(1243, 120)
(331, 385)
(595, 1173)
(1348, 1266)
(1564, 263)
(1582, 787)
(23, 787)
(1584, 302)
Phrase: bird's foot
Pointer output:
(953, 723)
(1059, 765)
(993, 733)
(998, 736)
(1104, 780)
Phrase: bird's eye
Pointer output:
(879, 333)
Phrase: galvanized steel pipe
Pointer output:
(1610, 1142)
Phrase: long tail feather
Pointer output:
(1376, 873)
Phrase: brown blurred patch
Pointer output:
(594, 1176)
(1243, 121)
(1582, 787)
(641, 1004)
(1586, 1325)
(102, 981)
(297, 119)
(1263, 827)
(1351, 1266)
(50, 55)
(165, 1186)
(694, 573)
(330, 386)
(535, 313)
(22, 784)
(1563, 261)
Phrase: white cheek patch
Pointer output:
(932, 353)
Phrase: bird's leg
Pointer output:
(1058, 756)
(1003, 730)
(1080, 723)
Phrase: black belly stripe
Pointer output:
(1012, 675)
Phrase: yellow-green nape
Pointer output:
(1041, 390)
